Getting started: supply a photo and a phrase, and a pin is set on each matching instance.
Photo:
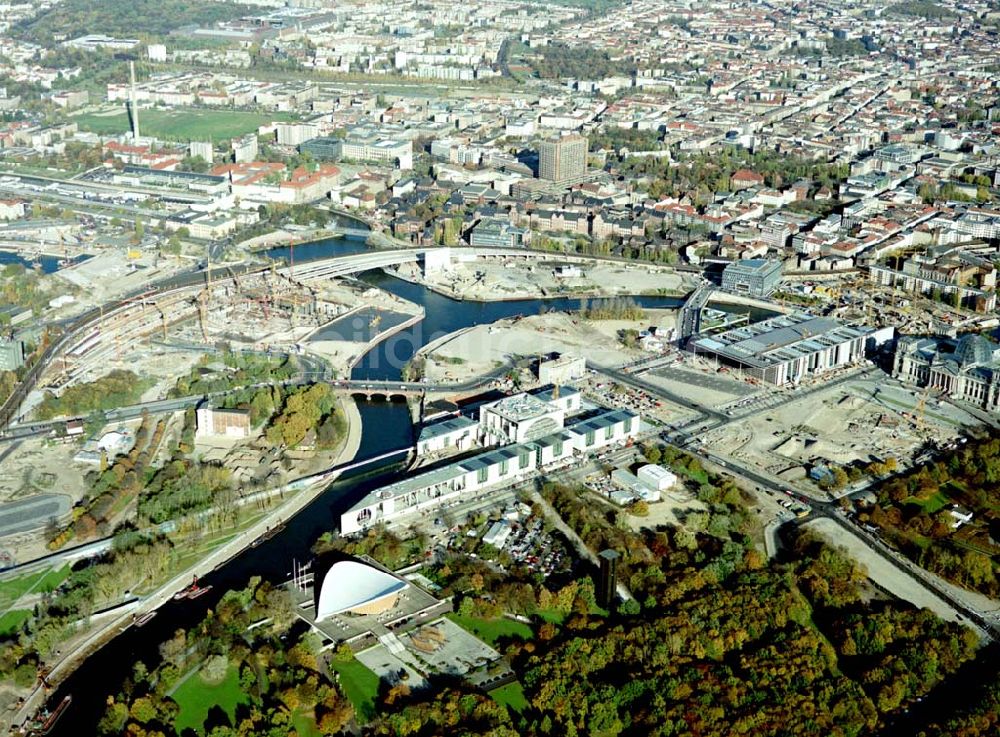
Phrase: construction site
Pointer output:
(847, 425)
(160, 334)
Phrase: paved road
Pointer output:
(832, 511)
(21, 431)
(690, 316)
(688, 439)
(637, 383)
(570, 534)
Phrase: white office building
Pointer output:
(534, 435)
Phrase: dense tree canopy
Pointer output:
(913, 513)
(126, 18)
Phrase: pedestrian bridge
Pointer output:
(689, 319)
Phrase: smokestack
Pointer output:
(133, 98)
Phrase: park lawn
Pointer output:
(305, 725)
(491, 630)
(360, 686)
(552, 616)
(195, 698)
(10, 622)
(512, 696)
(932, 504)
(43, 581)
(182, 124)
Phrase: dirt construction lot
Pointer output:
(475, 352)
(849, 423)
(489, 280)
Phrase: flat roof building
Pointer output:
(498, 233)
(562, 369)
(504, 465)
(787, 348)
(455, 432)
(563, 159)
(362, 144)
(755, 277)
(230, 423)
(11, 354)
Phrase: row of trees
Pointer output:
(118, 388)
(113, 487)
(134, 558)
(611, 308)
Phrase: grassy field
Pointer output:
(11, 621)
(491, 630)
(43, 581)
(196, 698)
(181, 124)
(934, 503)
(360, 685)
(552, 616)
(305, 725)
(511, 696)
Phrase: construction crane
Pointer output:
(918, 410)
(163, 319)
(203, 313)
(236, 278)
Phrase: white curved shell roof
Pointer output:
(350, 585)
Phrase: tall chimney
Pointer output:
(134, 101)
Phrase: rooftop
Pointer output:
(780, 339)
(520, 407)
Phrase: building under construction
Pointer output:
(262, 309)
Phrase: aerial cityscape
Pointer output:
(543, 368)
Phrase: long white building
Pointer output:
(547, 440)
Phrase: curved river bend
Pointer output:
(386, 426)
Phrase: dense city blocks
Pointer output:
(532, 368)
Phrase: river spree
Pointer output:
(385, 427)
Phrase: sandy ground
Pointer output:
(670, 510)
(110, 273)
(476, 351)
(679, 382)
(38, 466)
(343, 354)
(491, 280)
(884, 573)
(840, 426)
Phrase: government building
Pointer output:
(967, 369)
(529, 432)
(788, 348)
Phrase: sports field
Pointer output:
(180, 124)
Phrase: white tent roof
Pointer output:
(350, 584)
